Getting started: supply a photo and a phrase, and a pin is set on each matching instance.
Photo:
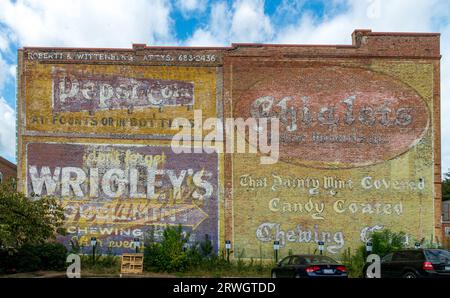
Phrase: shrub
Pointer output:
(195, 257)
(386, 241)
(240, 262)
(383, 242)
(52, 256)
(206, 246)
(354, 262)
(168, 255)
(33, 257)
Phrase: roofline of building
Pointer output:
(8, 163)
(140, 46)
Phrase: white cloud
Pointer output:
(13, 71)
(250, 23)
(245, 21)
(378, 15)
(190, 8)
(218, 30)
(7, 130)
(5, 72)
(4, 42)
(86, 23)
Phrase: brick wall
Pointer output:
(359, 146)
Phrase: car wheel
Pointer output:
(409, 274)
(274, 275)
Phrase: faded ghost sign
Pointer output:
(355, 152)
(75, 91)
(116, 100)
(104, 188)
(330, 115)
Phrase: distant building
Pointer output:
(8, 170)
(446, 210)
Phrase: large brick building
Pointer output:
(359, 141)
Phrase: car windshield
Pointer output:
(318, 259)
(438, 256)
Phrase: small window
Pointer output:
(400, 256)
(319, 259)
(446, 211)
(296, 260)
(412, 255)
(416, 255)
(437, 256)
(1, 177)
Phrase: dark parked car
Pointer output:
(309, 266)
(415, 263)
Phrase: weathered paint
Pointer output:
(333, 116)
(74, 114)
(113, 99)
(335, 192)
(104, 187)
(384, 87)
(74, 92)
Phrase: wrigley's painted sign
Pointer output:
(132, 187)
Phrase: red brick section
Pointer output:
(439, 230)
(8, 170)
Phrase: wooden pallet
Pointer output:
(132, 263)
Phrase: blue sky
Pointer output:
(119, 23)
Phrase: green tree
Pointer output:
(206, 246)
(27, 221)
(446, 187)
(168, 255)
(383, 242)
(355, 262)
